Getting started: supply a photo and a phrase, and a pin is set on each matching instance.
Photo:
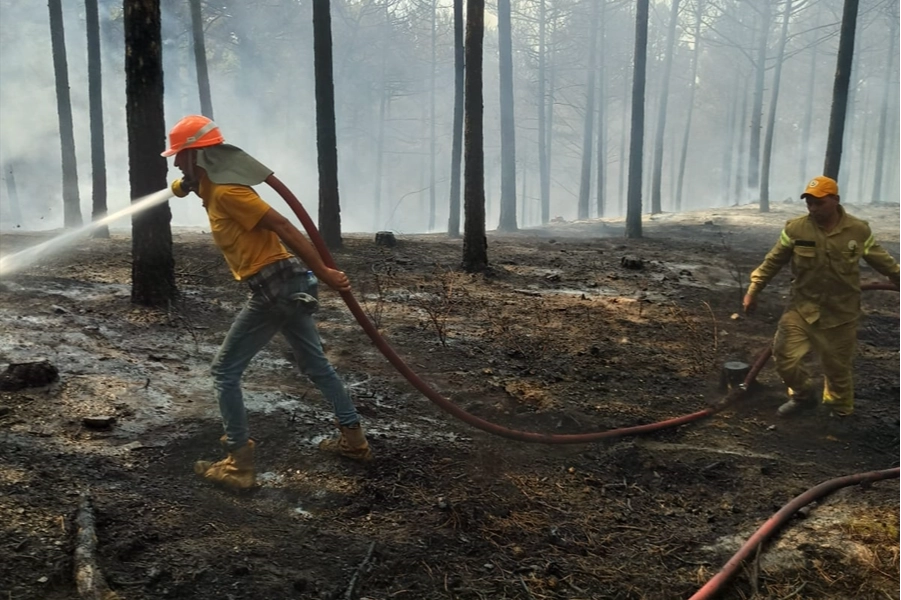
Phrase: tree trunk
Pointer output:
(507, 220)
(729, 153)
(851, 125)
(657, 175)
(740, 149)
(544, 170)
(453, 221)
(551, 106)
(865, 144)
(771, 117)
(203, 75)
(432, 183)
(893, 159)
(95, 99)
(475, 244)
(833, 160)
(588, 130)
(633, 204)
(153, 266)
(880, 165)
(757, 102)
(525, 218)
(326, 136)
(380, 136)
(71, 201)
(602, 125)
(680, 176)
(622, 149)
(380, 158)
(808, 112)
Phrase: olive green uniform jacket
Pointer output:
(825, 267)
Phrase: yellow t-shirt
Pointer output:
(234, 212)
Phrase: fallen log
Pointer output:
(88, 578)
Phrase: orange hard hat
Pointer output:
(194, 131)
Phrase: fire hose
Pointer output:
(768, 529)
(779, 519)
(482, 424)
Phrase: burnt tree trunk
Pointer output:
(432, 141)
(757, 100)
(507, 220)
(544, 170)
(771, 115)
(880, 165)
(636, 146)
(601, 197)
(807, 123)
(71, 201)
(475, 244)
(840, 90)
(95, 99)
(588, 125)
(326, 135)
(657, 172)
(683, 157)
(153, 266)
(729, 148)
(742, 124)
(621, 196)
(380, 136)
(453, 221)
(203, 75)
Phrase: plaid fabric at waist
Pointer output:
(268, 279)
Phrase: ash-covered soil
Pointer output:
(560, 336)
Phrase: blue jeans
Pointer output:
(290, 311)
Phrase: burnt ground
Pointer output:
(559, 337)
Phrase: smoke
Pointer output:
(263, 92)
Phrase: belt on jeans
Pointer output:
(273, 272)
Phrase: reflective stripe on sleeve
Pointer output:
(786, 241)
(871, 241)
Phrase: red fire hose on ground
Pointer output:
(454, 410)
(478, 423)
(781, 518)
(765, 532)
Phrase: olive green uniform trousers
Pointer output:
(835, 346)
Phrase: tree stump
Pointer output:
(385, 238)
(19, 376)
(733, 375)
(632, 262)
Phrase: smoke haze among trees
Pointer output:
(260, 64)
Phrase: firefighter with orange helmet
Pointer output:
(824, 248)
(257, 243)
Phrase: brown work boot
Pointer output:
(235, 471)
(351, 443)
(797, 403)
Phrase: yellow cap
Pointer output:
(819, 187)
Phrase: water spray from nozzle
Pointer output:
(27, 257)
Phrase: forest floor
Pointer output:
(559, 337)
